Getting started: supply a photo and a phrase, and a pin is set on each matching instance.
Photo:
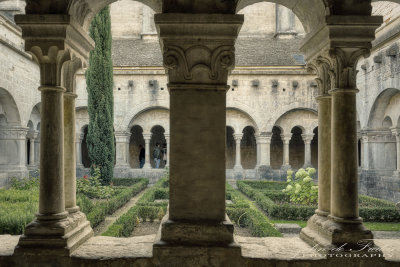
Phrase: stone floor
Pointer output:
(268, 251)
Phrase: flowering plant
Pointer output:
(301, 189)
(92, 188)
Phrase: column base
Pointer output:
(198, 233)
(329, 234)
(237, 168)
(55, 237)
(396, 174)
(196, 244)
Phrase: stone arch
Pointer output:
(311, 13)
(296, 148)
(35, 116)
(305, 119)
(248, 148)
(136, 143)
(9, 113)
(81, 118)
(387, 122)
(380, 106)
(239, 119)
(314, 148)
(150, 117)
(129, 120)
(157, 137)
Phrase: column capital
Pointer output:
(32, 135)
(122, 136)
(286, 137)
(238, 137)
(61, 40)
(167, 136)
(307, 138)
(192, 54)
(147, 136)
(264, 138)
(13, 133)
(334, 50)
(396, 132)
(79, 137)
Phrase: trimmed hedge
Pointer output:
(97, 213)
(270, 185)
(371, 209)
(243, 213)
(144, 209)
(126, 181)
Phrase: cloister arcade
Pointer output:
(193, 119)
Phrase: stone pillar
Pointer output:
(335, 63)
(167, 138)
(238, 161)
(286, 140)
(264, 143)
(70, 153)
(365, 151)
(13, 140)
(52, 232)
(122, 149)
(78, 144)
(198, 65)
(307, 138)
(147, 138)
(396, 133)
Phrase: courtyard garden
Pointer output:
(129, 207)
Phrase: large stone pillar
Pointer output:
(286, 140)
(147, 138)
(307, 138)
(264, 142)
(198, 51)
(335, 51)
(122, 149)
(396, 133)
(69, 152)
(53, 232)
(78, 145)
(238, 161)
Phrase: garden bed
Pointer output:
(269, 196)
(19, 204)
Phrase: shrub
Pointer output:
(25, 183)
(126, 181)
(270, 185)
(92, 188)
(161, 193)
(301, 189)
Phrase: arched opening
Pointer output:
(84, 149)
(314, 149)
(230, 148)
(157, 138)
(296, 148)
(276, 148)
(359, 152)
(136, 148)
(248, 148)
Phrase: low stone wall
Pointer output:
(380, 184)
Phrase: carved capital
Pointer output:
(54, 40)
(198, 49)
(264, 138)
(13, 133)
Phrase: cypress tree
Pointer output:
(99, 81)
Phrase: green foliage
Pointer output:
(151, 212)
(161, 193)
(245, 214)
(99, 80)
(269, 185)
(92, 188)
(302, 189)
(124, 225)
(25, 183)
(126, 181)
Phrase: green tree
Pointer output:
(99, 81)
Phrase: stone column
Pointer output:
(335, 51)
(307, 138)
(52, 231)
(147, 138)
(13, 140)
(122, 149)
(396, 133)
(264, 142)
(238, 161)
(365, 150)
(70, 153)
(167, 138)
(198, 65)
(78, 144)
(286, 140)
